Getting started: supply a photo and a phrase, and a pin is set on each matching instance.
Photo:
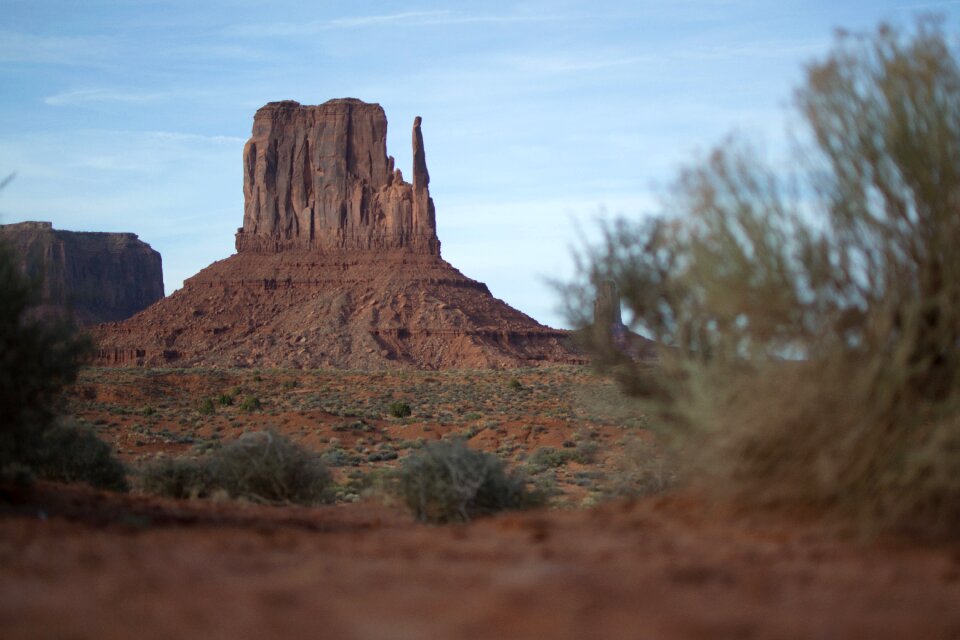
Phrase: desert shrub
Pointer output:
(447, 481)
(544, 458)
(400, 409)
(515, 385)
(177, 478)
(642, 469)
(206, 407)
(251, 403)
(38, 358)
(810, 323)
(69, 453)
(548, 458)
(337, 457)
(267, 467)
(225, 400)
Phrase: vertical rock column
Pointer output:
(424, 215)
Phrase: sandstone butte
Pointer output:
(337, 265)
(92, 277)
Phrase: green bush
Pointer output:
(226, 399)
(177, 478)
(207, 407)
(267, 467)
(809, 323)
(261, 466)
(38, 358)
(549, 458)
(69, 453)
(400, 409)
(447, 481)
(251, 403)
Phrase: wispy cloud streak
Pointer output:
(86, 96)
(408, 18)
(17, 46)
(566, 63)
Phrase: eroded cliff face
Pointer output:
(318, 177)
(95, 277)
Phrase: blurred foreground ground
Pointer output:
(75, 563)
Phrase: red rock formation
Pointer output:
(96, 277)
(318, 177)
(337, 265)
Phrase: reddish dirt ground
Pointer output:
(147, 413)
(81, 564)
(77, 563)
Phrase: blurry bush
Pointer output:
(808, 314)
(179, 478)
(400, 409)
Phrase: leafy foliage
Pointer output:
(207, 408)
(69, 453)
(447, 481)
(267, 467)
(251, 403)
(400, 409)
(262, 466)
(178, 478)
(811, 323)
(38, 358)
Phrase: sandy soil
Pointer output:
(83, 564)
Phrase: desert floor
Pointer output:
(78, 563)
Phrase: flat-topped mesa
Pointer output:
(89, 276)
(318, 177)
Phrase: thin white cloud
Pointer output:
(365, 21)
(193, 137)
(87, 96)
(62, 49)
(566, 63)
(410, 18)
(574, 64)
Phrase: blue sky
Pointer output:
(131, 115)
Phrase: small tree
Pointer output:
(811, 324)
(38, 358)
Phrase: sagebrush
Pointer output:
(262, 466)
(810, 318)
(447, 481)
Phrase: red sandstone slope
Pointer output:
(337, 265)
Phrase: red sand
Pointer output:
(82, 564)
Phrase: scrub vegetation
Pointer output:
(810, 312)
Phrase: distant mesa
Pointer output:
(92, 277)
(337, 265)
